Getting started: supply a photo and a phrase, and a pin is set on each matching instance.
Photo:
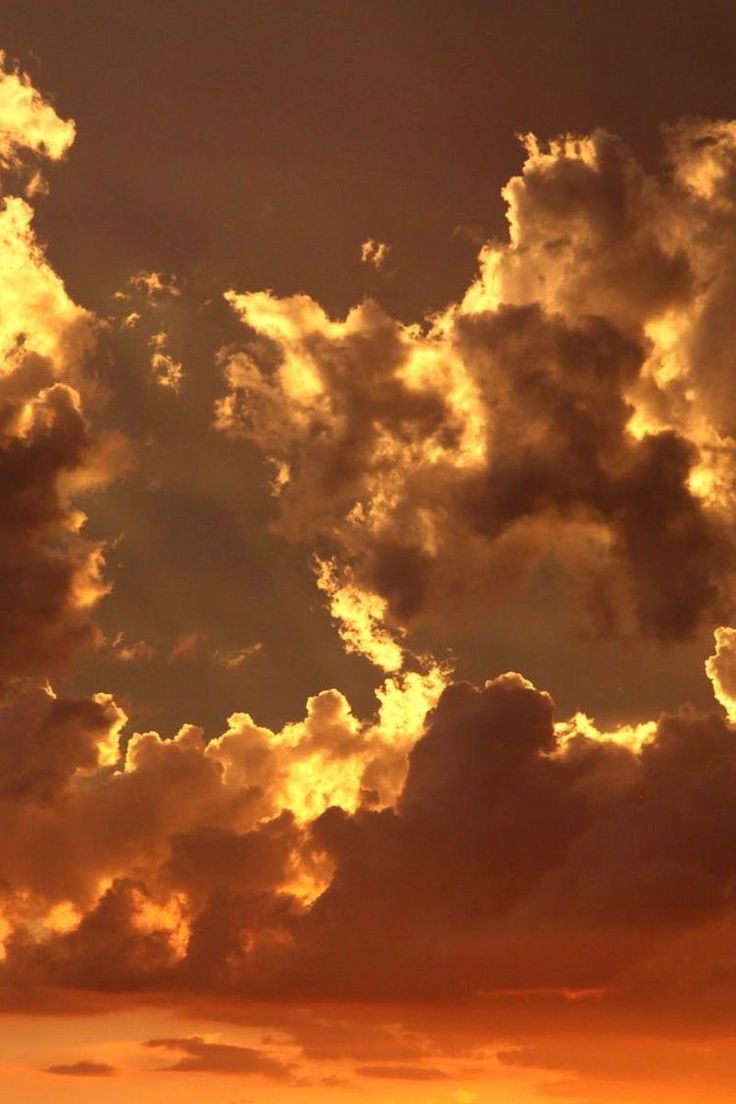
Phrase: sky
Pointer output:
(367, 555)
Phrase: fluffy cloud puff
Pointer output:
(576, 402)
(121, 857)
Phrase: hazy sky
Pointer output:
(367, 482)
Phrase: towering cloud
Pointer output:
(574, 404)
(50, 574)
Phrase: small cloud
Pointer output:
(204, 1057)
(402, 1073)
(167, 371)
(374, 253)
(37, 185)
(149, 284)
(470, 232)
(83, 1069)
(131, 320)
(139, 651)
(231, 660)
(186, 647)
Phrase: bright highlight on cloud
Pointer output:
(51, 574)
(461, 846)
(27, 123)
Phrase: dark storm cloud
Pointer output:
(50, 574)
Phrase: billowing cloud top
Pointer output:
(576, 403)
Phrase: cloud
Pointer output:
(133, 860)
(185, 648)
(204, 1057)
(27, 123)
(167, 372)
(237, 657)
(518, 854)
(374, 253)
(721, 670)
(60, 737)
(463, 845)
(150, 286)
(138, 652)
(574, 405)
(84, 1069)
(402, 1073)
(49, 455)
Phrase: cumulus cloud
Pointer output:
(127, 858)
(462, 843)
(51, 573)
(512, 854)
(574, 404)
(236, 657)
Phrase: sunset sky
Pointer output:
(367, 552)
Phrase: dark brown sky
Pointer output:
(257, 140)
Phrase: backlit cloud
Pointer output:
(27, 121)
(574, 404)
(374, 253)
(51, 573)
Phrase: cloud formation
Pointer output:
(461, 844)
(516, 854)
(51, 573)
(575, 404)
(374, 253)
